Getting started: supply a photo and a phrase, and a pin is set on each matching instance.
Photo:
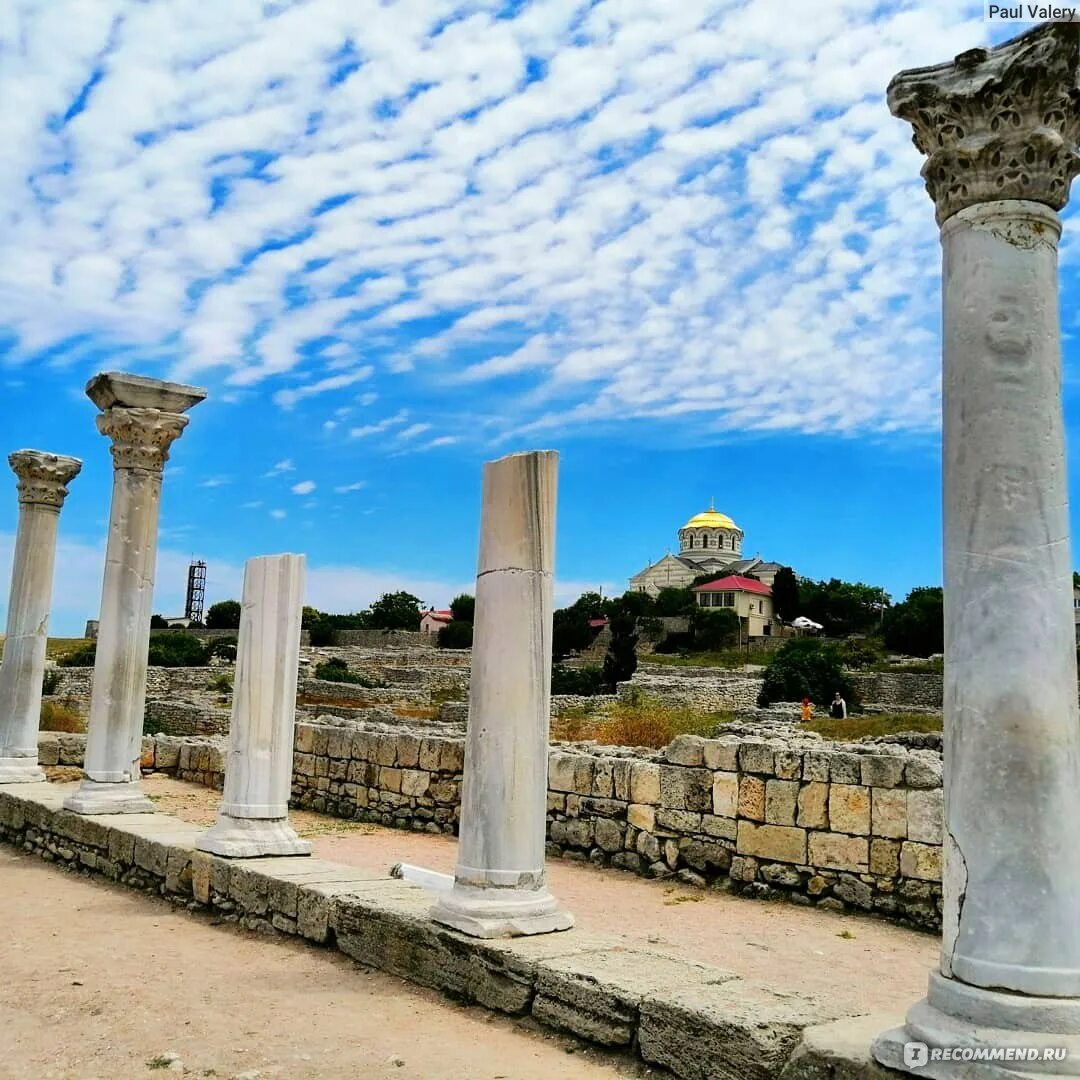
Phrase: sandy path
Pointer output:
(99, 980)
(860, 963)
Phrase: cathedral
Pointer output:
(709, 543)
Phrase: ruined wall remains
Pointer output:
(899, 690)
(702, 690)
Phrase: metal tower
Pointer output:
(196, 592)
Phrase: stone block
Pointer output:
(620, 776)
(686, 750)
(603, 785)
(166, 754)
(724, 828)
(579, 833)
(722, 753)
(430, 749)
(776, 843)
(889, 816)
(752, 798)
(453, 756)
(151, 855)
(201, 866)
(788, 764)
(645, 783)
(677, 821)
(836, 852)
(781, 797)
(408, 750)
(845, 768)
(921, 861)
(882, 770)
(686, 788)
(48, 748)
(923, 769)
(414, 782)
(561, 771)
(725, 794)
(813, 808)
(926, 815)
(849, 808)
(249, 890)
(743, 869)
(757, 757)
(339, 743)
(304, 741)
(609, 835)
(816, 766)
(641, 816)
(390, 779)
(584, 769)
(385, 749)
(884, 857)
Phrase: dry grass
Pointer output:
(856, 727)
(61, 646)
(345, 703)
(58, 716)
(646, 722)
(415, 712)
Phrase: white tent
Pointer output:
(803, 623)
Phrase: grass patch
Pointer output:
(345, 703)
(725, 658)
(644, 722)
(415, 712)
(857, 727)
(60, 716)
(921, 667)
(448, 693)
(61, 646)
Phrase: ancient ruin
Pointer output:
(499, 884)
(253, 818)
(142, 417)
(43, 480)
(999, 128)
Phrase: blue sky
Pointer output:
(683, 244)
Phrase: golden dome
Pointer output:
(711, 519)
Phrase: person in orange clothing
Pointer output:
(807, 710)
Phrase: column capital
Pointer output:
(1000, 123)
(43, 477)
(141, 437)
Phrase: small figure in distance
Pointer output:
(838, 708)
(807, 710)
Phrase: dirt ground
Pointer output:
(860, 963)
(102, 982)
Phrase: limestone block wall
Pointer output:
(710, 693)
(387, 639)
(379, 695)
(899, 689)
(185, 718)
(161, 682)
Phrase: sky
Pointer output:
(685, 245)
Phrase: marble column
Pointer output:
(999, 128)
(143, 417)
(43, 480)
(253, 818)
(499, 888)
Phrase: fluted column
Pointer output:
(43, 480)
(999, 128)
(143, 418)
(499, 888)
(253, 818)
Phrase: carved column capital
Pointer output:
(141, 437)
(999, 123)
(43, 478)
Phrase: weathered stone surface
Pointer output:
(685, 789)
(845, 768)
(882, 770)
(836, 852)
(781, 797)
(645, 783)
(641, 817)
(884, 857)
(755, 757)
(722, 753)
(889, 812)
(849, 808)
(923, 769)
(921, 861)
(841, 1050)
(771, 842)
(752, 798)
(926, 812)
(813, 808)
(686, 750)
(725, 794)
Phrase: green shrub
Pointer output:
(861, 652)
(806, 667)
(448, 693)
(176, 650)
(322, 634)
(336, 670)
(224, 647)
(581, 682)
(222, 684)
(83, 656)
(456, 635)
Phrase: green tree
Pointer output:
(158, 623)
(917, 626)
(224, 615)
(843, 607)
(620, 663)
(674, 603)
(785, 594)
(395, 611)
(463, 608)
(176, 650)
(309, 617)
(571, 631)
(806, 667)
(456, 634)
(713, 629)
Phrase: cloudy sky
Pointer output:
(683, 243)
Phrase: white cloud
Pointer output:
(216, 481)
(366, 430)
(288, 398)
(278, 514)
(412, 431)
(305, 487)
(355, 486)
(284, 466)
(253, 505)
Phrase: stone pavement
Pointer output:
(680, 1001)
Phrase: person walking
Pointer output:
(807, 710)
(838, 708)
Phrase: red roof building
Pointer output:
(750, 599)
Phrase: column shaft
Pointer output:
(499, 887)
(253, 816)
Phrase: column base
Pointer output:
(21, 770)
(97, 797)
(991, 1035)
(500, 913)
(250, 838)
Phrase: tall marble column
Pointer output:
(43, 480)
(143, 418)
(499, 888)
(999, 128)
(253, 818)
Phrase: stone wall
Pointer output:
(702, 690)
(899, 690)
(185, 718)
(161, 682)
(325, 690)
(386, 639)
